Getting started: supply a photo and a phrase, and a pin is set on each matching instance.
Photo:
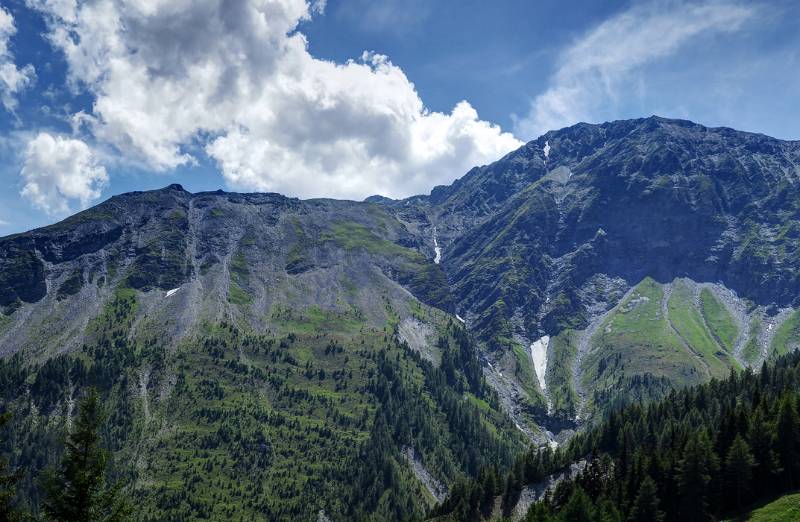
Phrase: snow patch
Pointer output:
(172, 292)
(546, 150)
(436, 248)
(460, 319)
(539, 357)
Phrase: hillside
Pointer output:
(704, 453)
(784, 509)
(257, 350)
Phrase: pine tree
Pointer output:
(645, 505)
(761, 439)
(739, 472)
(538, 512)
(607, 512)
(694, 474)
(8, 481)
(788, 440)
(592, 478)
(578, 508)
(76, 490)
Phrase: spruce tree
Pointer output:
(788, 440)
(76, 491)
(694, 474)
(761, 438)
(645, 505)
(578, 508)
(738, 472)
(8, 481)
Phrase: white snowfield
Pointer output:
(436, 248)
(171, 292)
(539, 356)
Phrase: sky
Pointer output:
(350, 98)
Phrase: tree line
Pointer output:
(699, 454)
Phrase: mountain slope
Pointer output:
(252, 349)
(597, 265)
(551, 237)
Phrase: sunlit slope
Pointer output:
(785, 509)
(660, 336)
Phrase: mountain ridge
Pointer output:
(594, 266)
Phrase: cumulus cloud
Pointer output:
(236, 80)
(12, 79)
(593, 72)
(58, 170)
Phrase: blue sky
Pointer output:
(349, 98)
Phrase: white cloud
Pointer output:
(58, 170)
(237, 79)
(594, 72)
(12, 79)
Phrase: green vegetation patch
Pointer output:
(524, 369)
(316, 319)
(351, 236)
(787, 337)
(752, 351)
(719, 319)
(636, 339)
(689, 324)
(563, 350)
(785, 509)
(237, 296)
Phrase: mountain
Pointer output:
(288, 339)
(255, 351)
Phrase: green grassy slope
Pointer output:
(637, 340)
(787, 337)
(785, 509)
(718, 319)
(689, 325)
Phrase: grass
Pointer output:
(559, 372)
(787, 337)
(719, 319)
(315, 319)
(239, 274)
(351, 236)
(752, 351)
(688, 322)
(524, 368)
(784, 509)
(636, 339)
(237, 296)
